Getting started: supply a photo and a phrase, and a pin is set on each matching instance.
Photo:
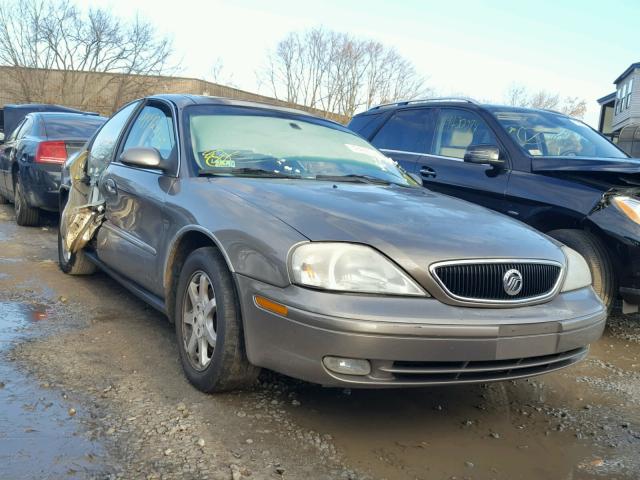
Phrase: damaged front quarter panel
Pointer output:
(84, 211)
(609, 218)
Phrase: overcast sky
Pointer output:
(575, 48)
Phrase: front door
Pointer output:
(444, 169)
(134, 199)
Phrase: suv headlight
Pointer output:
(629, 206)
(349, 268)
(578, 273)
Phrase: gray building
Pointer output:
(620, 111)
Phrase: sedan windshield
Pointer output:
(261, 143)
(548, 134)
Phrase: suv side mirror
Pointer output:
(143, 157)
(485, 155)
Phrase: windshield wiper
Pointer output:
(354, 178)
(248, 171)
(261, 172)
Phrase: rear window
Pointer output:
(68, 127)
(364, 125)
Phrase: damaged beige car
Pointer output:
(82, 214)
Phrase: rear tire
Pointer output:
(209, 325)
(26, 215)
(73, 263)
(3, 200)
(598, 259)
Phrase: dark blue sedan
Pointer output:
(31, 160)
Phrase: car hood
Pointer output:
(585, 164)
(413, 226)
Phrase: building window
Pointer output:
(629, 90)
(617, 105)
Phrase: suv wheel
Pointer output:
(598, 259)
(209, 325)
(26, 215)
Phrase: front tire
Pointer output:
(209, 325)
(598, 259)
(26, 215)
(73, 263)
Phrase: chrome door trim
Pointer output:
(454, 159)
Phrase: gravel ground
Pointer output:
(107, 369)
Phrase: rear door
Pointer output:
(134, 199)
(406, 136)
(7, 154)
(444, 170)
(12, 153)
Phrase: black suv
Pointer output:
(551, 171)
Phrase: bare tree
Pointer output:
(519, 96)
(338, 73)
(219, 74)
(57, 35)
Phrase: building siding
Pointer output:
(631, 114)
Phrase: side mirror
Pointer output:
(1, 138)
(485, 155)
(144, 158)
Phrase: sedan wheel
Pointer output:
(199, 320)
(209, 325)
(26, 215)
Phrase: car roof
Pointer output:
(184, 100)
(65, 115)
(452, 102)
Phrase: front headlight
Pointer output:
(629, 206)
(578, 273)
(350, 268)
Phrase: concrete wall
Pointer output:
(105, 93)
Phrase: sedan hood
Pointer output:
(585, 164)
(413, 226)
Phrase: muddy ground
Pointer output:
(91, 387)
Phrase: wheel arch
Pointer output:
(187, 240)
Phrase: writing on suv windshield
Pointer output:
(548, 134)
(270, 146)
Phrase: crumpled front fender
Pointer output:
(82, 214)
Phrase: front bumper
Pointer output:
(415, 341)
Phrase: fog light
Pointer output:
(347, 366)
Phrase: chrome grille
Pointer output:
(476, 281)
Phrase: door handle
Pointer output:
(110, 186)
(428, 172)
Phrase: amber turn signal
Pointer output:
(271, 305)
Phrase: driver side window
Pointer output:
(153, 129)
(458, 130)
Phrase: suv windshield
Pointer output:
(548, 134)
(245, 141)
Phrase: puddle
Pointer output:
(38, 438)
(504, 431)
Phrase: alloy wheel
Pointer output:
(199, 320)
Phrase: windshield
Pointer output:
(547, 134)
(246, 141)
